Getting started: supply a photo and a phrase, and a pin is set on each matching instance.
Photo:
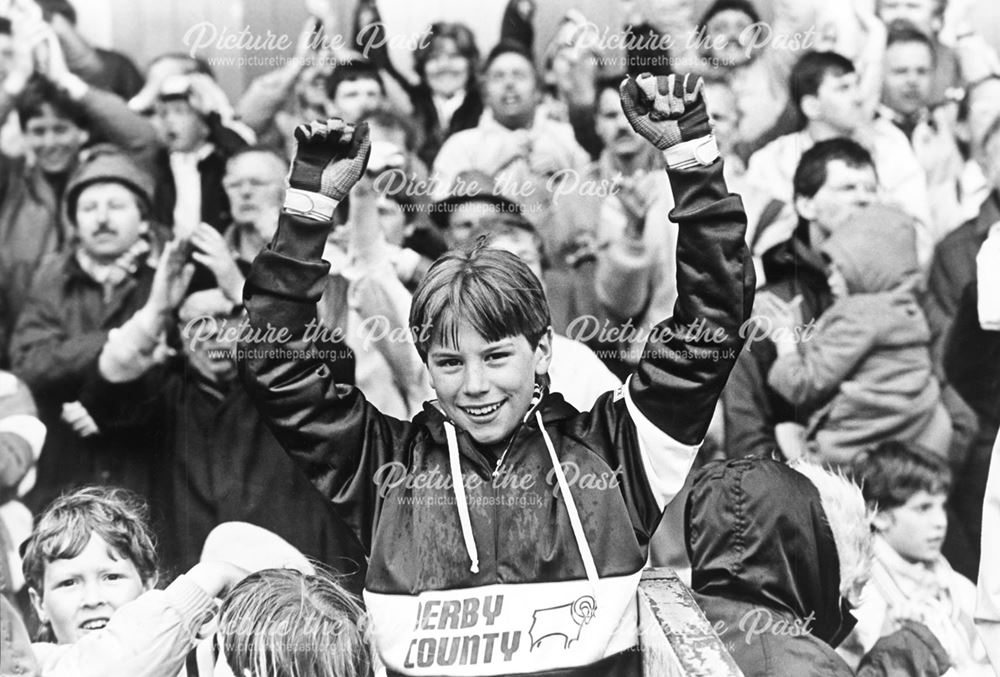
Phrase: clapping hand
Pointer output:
(211, 251)
(173, 275)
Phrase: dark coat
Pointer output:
(953, 268)
(764, 568)
(55, 344)
(218, 462)
(752, 408)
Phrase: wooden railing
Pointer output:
(674, 635)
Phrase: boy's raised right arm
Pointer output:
(287, 366)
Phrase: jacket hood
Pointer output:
(756, 532)
(876, 251)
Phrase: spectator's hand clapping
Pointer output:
(366, 245)
(976, 58)
(330, 157)
(28, 32)
(665, 109)
(79, 419)
(173, 275)
(212, 252)
(636, 197)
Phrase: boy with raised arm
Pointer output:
(507, 531)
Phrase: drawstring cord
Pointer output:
(458, 486)
(574, 516)
(461, 501)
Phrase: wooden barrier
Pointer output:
(675, 637)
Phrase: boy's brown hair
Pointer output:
(491, 290)
(63, 530)
(891, 473)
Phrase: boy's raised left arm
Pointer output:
(688, 356)
(670, 398)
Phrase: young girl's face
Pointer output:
(80, 593)
(484, 387)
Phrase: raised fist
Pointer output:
(665, 109)
(330, 157)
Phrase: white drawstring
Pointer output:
(463, 507)
(574, 516)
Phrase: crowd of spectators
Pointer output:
(867, 160)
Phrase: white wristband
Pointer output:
(310, 205)
(702, 151)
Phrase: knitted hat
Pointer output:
(106, 163)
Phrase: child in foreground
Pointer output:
(91, 566)
(911, 580)
(507, 530)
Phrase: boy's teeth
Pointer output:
(480, 411)
(95, 624)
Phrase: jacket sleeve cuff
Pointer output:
(300, 237)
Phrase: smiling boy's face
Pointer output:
(79, 594)
(486, 387)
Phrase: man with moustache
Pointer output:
(76, 298)
(59, 114)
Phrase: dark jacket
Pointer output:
(953, 268)
(214, 202)
(752, 408)
(764, 568)
(211, 171)
(56, 341)
(913, 650)
(217, 462)
(531, 578)
(972, 362)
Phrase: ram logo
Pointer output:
(564, 621)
